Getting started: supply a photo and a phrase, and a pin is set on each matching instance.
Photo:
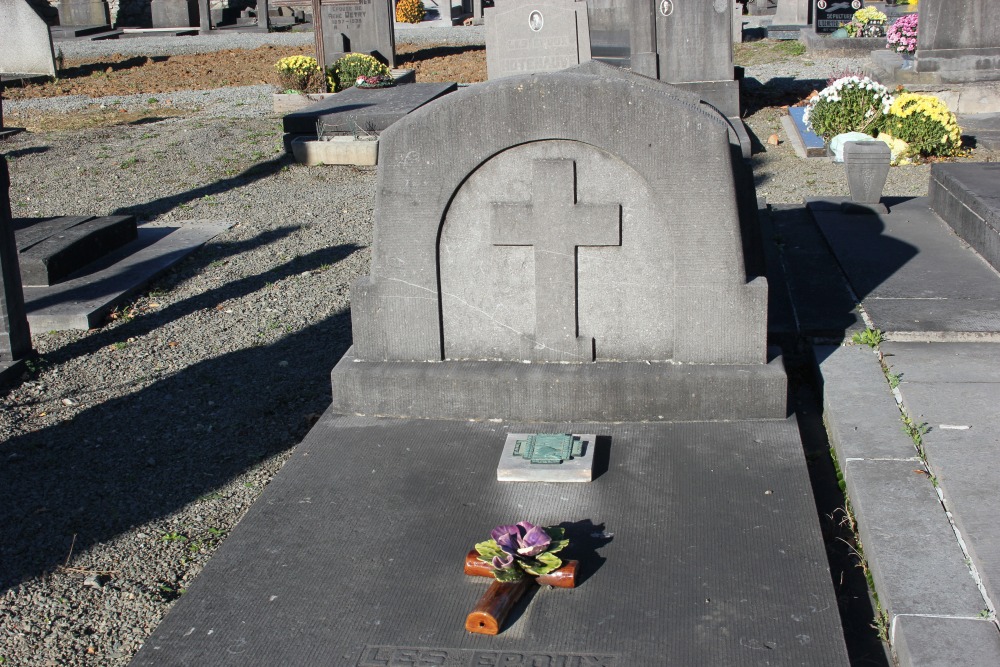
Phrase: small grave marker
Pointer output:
(360, 26)
(547, 457)
(830, 14)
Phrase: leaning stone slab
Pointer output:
(364, 109)
(26, 47)
(47, 258)
(15, 339)
(312, 152)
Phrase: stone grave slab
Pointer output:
(923, 641)
(609, 31)
(727, 505)
(51, 249)
(361, 26)
(85, 297)
(914, 278)
(365, 110)
(967, 198)
(174, 13)
(828, 15)
(957, 399)
(959, 40)
(518, 459)
(524, 36)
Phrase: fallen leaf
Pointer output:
(173, 343)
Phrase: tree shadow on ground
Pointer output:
(140, 457)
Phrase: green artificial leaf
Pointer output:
(555, 532)
(543, 564)
(508, 574)
(487, 550)
(557, 546)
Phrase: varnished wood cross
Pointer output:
(501, 596)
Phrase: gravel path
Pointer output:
(132, 450)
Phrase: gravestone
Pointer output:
(959, 40)
(26, 47)
(609, 31)
(360, 26)
(792, 12)
(761, 7)
(540, 278)
(688, 43)
(84, 13)
(525, 36)
(831, 14)
(15, 339)
(51, 249)
(174, 13)
(556, 251)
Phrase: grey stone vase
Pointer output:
(867, 166)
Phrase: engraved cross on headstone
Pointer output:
(556, 225)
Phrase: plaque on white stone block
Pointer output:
(547, 457)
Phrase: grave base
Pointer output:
(698, 545)
(602, 390)
(87, 296)
(337, 150)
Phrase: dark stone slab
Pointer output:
(371, 110)
(50, 255)
(967, 197)
(15, 338)
(828, 19)
(84, 13)
(915, 279)
(698, 543)
(981, 130)
(174, 13)
(71, 31)
(362, 26)
(84, 299)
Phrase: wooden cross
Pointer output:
(501, 596)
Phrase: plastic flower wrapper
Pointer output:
(514, 551)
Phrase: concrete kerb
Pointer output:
(916, 559)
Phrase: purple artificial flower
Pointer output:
(522, 539)
(502, 562)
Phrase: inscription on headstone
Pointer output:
(361, 26)
(831, 14)
(525, 36)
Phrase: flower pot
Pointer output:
(867, 166)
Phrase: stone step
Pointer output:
(967, 198)
(51, 250)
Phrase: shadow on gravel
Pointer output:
(142, 456)
(31, 150)
(436, 52)
(779, 92)
(163, 205)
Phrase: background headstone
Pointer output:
(174, 13)
(688, 43)
(525, 36)
(15, 339)
(360, 26)
(84, 13)
(792, 12)
(959, 39)
(831, 14)
(26, 47)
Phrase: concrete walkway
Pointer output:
(913, 423)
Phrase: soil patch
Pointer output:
(128, 75)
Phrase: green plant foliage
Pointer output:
(345, 72)
(300, 74)
(850, 104)
(410, 11)
(870, 337)
(925, 123)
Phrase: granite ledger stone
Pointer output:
(536, 241)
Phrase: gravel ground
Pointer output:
(132, 450)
